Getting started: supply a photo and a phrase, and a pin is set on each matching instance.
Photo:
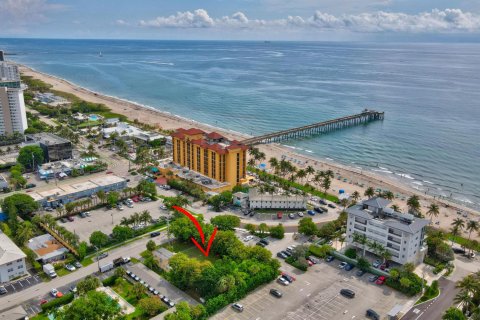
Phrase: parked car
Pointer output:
(283, 281)
(300, 214)
(324, 209)
(329, 258)
(237, 307)
(82, 215)
(314, 259)
(459, 250)
(288, 254)
(154, 234)
(64, 220)
(310, 263)
(248, 238)
(246, 213)
(73, 289)
(347, 293)
(371, 314)
(279, 215)
(55, 293)
(49, 209)
(291, 215)
(261, 244)
(87, 213)
(151, 289)
(43, 301)
(69, 267)
(342, 265)
(3, 290)
(70, 218)
(360, 273)
(376, 263)
(323, 202)
(288, 277)
(381, 280)
(372, 278)
(120, 207)
(167, 301)
(318, 209)
(282, 255)
(252, 213)
(331, 205)
(348, 267)
(265, 241)
(276, 293)
(103, 255)
(311, 212)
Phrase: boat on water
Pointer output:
(100, 54)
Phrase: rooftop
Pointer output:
(125, 129)
(254, 195)
(212, 141)
(8, 250)
(46, 138)
(46, 246)
(389, 217)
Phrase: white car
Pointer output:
(342, 265)
(247, 238)
(283, 281)
(54, 292)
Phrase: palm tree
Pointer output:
(369, 192)
(459, 223)
(273, 163)
(145, 216)
(60, 211)
(386, 255)
(24, 232)
(413, 204)
(102, 196)
(344, 203)
(362, 240)
(388, 195)
(355, 195)
(301, 174)
(472, 225)
(309, 171)
(433, 211)
(395, 207)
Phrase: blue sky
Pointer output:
(241, 19)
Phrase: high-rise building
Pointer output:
(13, 117)
(210, 154)
(402, 234)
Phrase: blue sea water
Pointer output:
(430, 93)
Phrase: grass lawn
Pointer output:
(125, 289)
(62, 272)
(187, 248)
(88, 123)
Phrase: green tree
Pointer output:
(277, 232)
(263, 228)
(151, 306)
(453, 313)
(93, 306)
(226, 222)
(88, 284)
(151, 245)
(24, 232)
(119, 272)
(82, 250)
(363, 264)
(98, 239)
(30, 156)
(405, 282)
(307, 227)
(413, 204)
(355, 195)
(433, 211)
(112, 198)
(22, 203)
(369, 192)
(351, 253)
(220, 200)
(122, 233)
(138, 290)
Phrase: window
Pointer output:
(214, 165)
(205, 162)
(19, 260)
(10, 270)
(20, 267)
(238, 167)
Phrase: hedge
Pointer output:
(296, 264)
(110, 281)
(57, 302)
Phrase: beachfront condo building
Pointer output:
(402, 234)
(13, 117)
(210, 154)
(12, 260)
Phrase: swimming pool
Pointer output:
(93, 117)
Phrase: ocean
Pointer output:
(430, 92)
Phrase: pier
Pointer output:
(317, 128)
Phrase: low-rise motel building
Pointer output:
(220, 163)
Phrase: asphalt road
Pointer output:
(434, 309)
(131, 250)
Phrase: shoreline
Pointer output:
(169, 121)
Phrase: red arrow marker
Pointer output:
(200, 231)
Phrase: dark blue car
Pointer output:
(311, 212)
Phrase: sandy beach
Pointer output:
(350, 178)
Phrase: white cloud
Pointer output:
(23, 12)
(435, 21)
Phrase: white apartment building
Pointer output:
(13, 117)
(275, 201)
(400, 233)
(12, 260)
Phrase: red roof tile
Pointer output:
(214, 135)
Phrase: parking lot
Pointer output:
(22, 284)
(161, 285)
(101, 219)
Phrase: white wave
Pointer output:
(383, 168)
(429, 182)
(417, 183)
(383, 171)
(329, 159)
(275, 53)
(309, 151)
(405, 175)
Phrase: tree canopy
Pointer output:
(94, 306)
(226, 222)
(30, 156)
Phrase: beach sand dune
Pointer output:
(351, 178)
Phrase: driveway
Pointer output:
(434, 309)
(160, 284)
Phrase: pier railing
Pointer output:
(317, 128)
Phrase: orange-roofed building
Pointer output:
(210, 154)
